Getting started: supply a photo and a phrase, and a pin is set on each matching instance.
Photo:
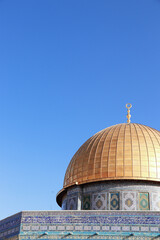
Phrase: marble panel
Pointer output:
(99, 201)
(155, 198)
(129, 201)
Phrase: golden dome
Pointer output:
(123, 151)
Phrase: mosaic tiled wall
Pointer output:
(126, 196)
(85, 224)
(10, 226)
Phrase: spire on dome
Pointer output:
(128, 106)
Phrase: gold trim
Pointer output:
(128, 106)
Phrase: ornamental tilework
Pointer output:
(86, 202)
(26, 228)
(60, 228)
(114, 201)
(35, 228)
(72, 203)
(52, 228)
(133, 188)
(105, 228)
(126, 228)
(43, 228)
(144, 229)
(155, 201)
(70, 228)
(79, 228)
(143, 201)
(154, 229)
(135, 228)
(83, 224)
(87, 228)
(115, 228)
(99, 201)
(96, 228)
(129, 201)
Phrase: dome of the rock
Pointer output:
(127, 151)
(123, 151)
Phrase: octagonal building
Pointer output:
(113, 180)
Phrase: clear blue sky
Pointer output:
(67, 69)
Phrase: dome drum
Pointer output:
(113, 195)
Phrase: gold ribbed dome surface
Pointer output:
(123, 151)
